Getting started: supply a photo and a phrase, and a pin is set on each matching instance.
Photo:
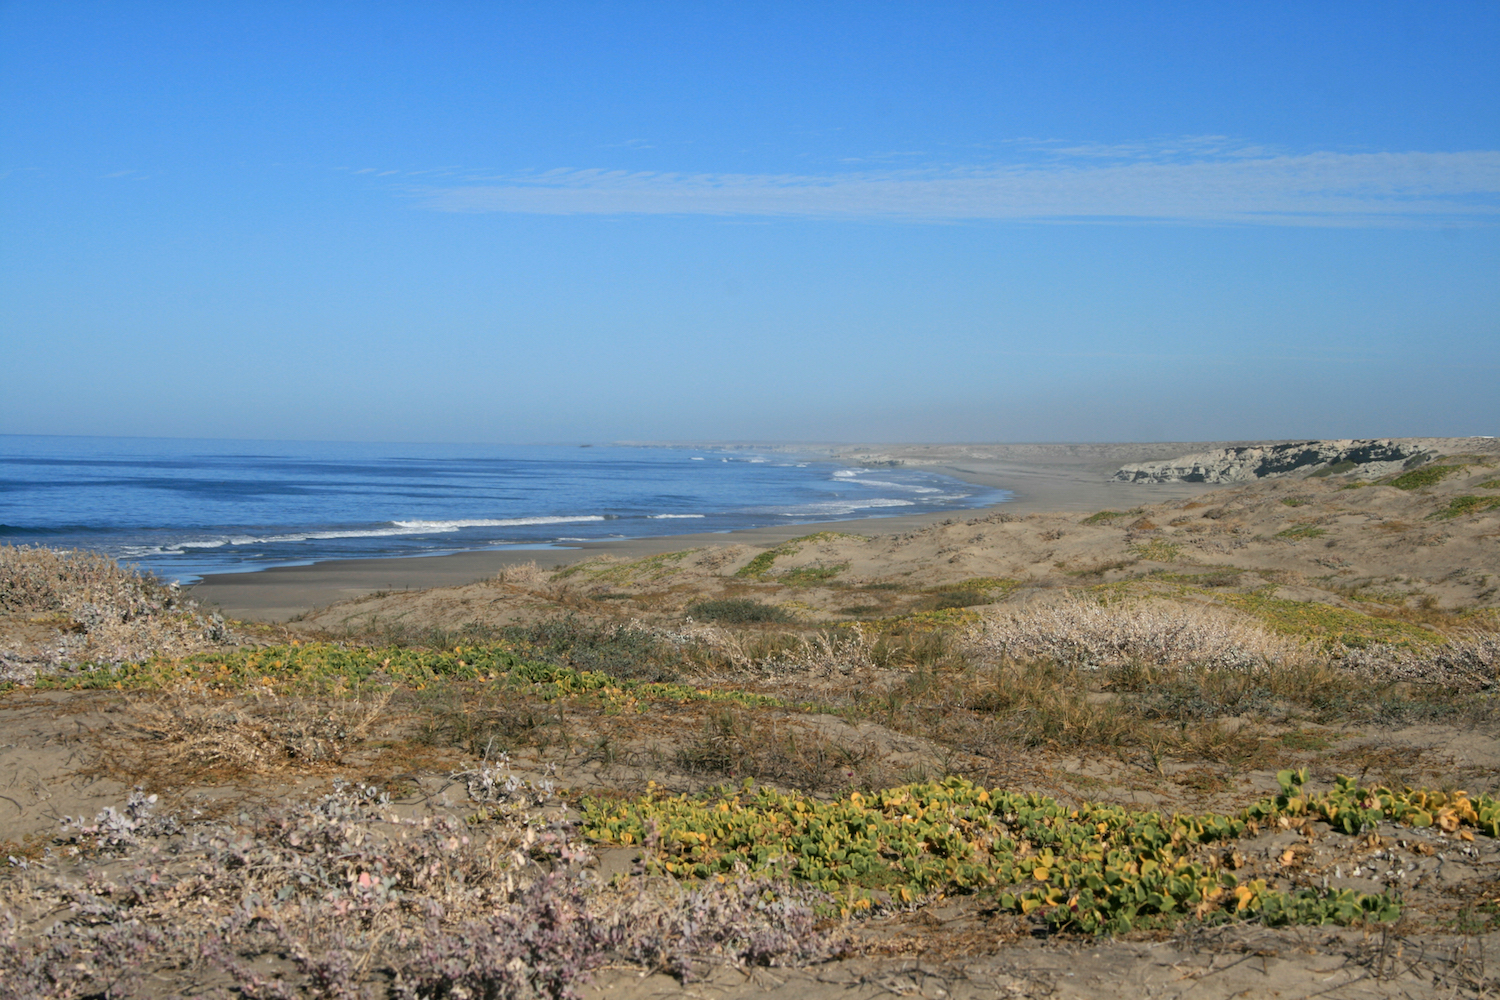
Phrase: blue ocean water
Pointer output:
(185, 508)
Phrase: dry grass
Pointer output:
(187, 736)
(526, 576)
(737, 744)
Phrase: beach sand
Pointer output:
(1040, 477)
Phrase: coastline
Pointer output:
(1041, 479)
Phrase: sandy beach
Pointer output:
(1040, 477)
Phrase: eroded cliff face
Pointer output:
(1368, 458)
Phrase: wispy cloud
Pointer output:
(1199, 179)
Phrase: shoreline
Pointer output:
(1040, 478)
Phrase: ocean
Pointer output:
(185, 508)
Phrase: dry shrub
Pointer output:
(343, 897)
(180, 733)
(1096, 635)
(109, 614)
(823, 654)
(1468, 661)
(43, 579)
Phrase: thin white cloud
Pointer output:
(1198, 179)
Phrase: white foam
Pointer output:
(845, 506)
(318, 536)
(503, 522)
(663, 517)
(695, 458)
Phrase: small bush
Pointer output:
(811, 576)
(737, 611)
(620, 651)
(105, 613)
(1302, 531)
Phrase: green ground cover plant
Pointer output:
(1158, 550)
(1460, 506)
(650, 568)
(760, 566)
(811, 576)
(1302, 531)
(1426, 475)
(327, 669)
(737, 611)
(1095, 868)
(1327, 625)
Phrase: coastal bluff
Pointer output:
(1246, 463)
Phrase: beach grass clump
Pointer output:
(953, 597)
(1302, 531)
(994, 586)
(1104, 517)
(1225, 576)
(737, 611)
(736, 744)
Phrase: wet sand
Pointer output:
(1041, 478)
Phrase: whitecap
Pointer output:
(502, 522)
(844, 506)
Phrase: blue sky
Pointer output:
(495, 222)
